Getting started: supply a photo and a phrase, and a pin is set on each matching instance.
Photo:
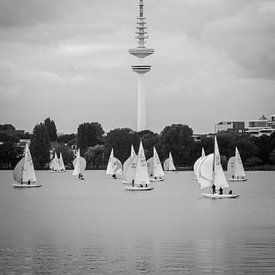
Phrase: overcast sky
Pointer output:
(68, 60)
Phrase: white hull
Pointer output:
(125, 182)
(217, 196)
(156, 180)
(137, 188)
(25, 185)
(236, 179)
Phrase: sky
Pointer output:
(68, 60)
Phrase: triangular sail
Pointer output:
(56, 166)
(205, 174)
(197, 163)
(158, 171)
(79, 164)
(239, 170)
(61, 163)
(18, 171)
(110, 170)
(129, 174)
(28, 170)
(168, 164)
(141, 176)
(128, 161)
(231, 167)
(219, 179)
(117, 166)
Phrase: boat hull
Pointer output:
(156, 180)
(26, 185)
(137, 188)
(217, 196)
(237, 179)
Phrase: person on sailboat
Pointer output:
(230, 192)
(114, 176)
(29, 182)
(213, 188)
(220, 190)
(133, 183)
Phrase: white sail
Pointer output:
(128, 161)
(114, 166)
(117, 166)
(239, 170)
(235, 167)
(24, 170)
(219, 179)
(168, 164)
(55, 164)
(141, 177)
(18, 171)
(129, 174)
(205, 171)
(231, 167)
(61, 163)
(129, 166)
(110, 170)
(197, 163)
(79, 164)
(158, 171)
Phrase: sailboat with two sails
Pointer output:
(210, 174)
(235, 168)
(141, 180)
(24, 173)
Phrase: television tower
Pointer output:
(141, 52)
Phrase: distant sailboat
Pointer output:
(24, 173)
(197, 163)
(154, 167)
(129, 167)
(79, 164)
(168, 164)
(211, 174)
(61, 163)
(54, 164)
(235, 168)
(141, 181)
(114, 166)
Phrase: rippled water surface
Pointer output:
(95, 227)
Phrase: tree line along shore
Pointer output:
(257, 153)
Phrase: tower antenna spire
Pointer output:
(141, 52)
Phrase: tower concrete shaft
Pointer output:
(141, 52)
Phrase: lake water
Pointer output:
(69, 226)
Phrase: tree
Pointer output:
(95, 156)
(178, 140)
(67, 154)
(121, 140)
(40, 146)
(89, 134)
(51, 129)
(150, 139)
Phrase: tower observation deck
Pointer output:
(141, 52)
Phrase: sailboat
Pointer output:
(154, 167)
(211, 174)
(79, 164)
(197, 163)
(114, 166)
(129, 167)
(54, 164)
(141, 181)
(235, 167)
(24, 173)
(168, 164)
(61, 163)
